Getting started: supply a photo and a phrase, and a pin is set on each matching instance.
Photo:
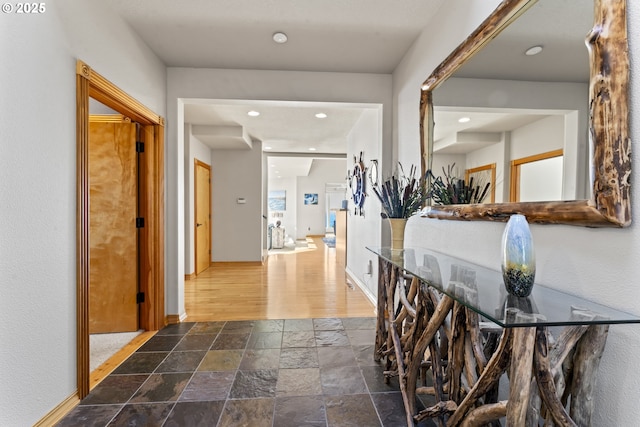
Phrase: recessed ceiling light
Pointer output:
(280, 37)
(267, 148)
(312, 149)
(464, 120)
(533, 50)
(321, 115)
(253, 113)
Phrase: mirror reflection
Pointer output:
(516, 114)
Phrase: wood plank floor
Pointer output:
(305, 284)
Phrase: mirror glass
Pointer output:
(492, 111)
(521, 104)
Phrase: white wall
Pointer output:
(363, 231)
(190, 83)
(598, 264)
(38, 188)
(194, 149)
(541, 136)
(237, 228)
(311, 218)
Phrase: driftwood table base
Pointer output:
(551, 380)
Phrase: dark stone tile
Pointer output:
(181, 361)
(298, 339)
(390, 407)
(342, 380)
(362, 336)
(268, 326)
(328, 324)
(195, 414)
(299, 358)
(208, 386)
(425, 401)
(142, 414)
(114, 389)
(230, 341)
(260, 359)
(247, 413)
(207, 328)
(265, 340)
(299, 382)
(238, 327)
(296, 325)
(374, 377)
(141, 363)
(336, 356)
(90, 416)
(195, 342)
(162, 388)
(161, 343)
(359, 323)
(351, 411)
(250, 384)
(176, 329)
(331, 338)
(302, 411)
(221, 360)
(364, 355)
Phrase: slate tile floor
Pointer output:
(272, 373)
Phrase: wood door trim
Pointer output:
(489, 167)
(195, 212)
(514, 181)
(91, 84)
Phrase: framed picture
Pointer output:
(277, 200)
(310, 198)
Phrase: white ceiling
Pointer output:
(365, 36)
(357, 36)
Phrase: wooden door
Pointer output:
(113, 236)
(202, 216)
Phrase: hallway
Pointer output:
(301, 285)
(287, 344)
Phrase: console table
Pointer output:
(439, 313)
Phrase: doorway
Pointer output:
(90, 84)
(202, 209)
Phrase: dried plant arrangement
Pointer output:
(451, 190)
(401, 195)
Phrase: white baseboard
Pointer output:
(352, 278)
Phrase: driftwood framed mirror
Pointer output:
(597, 166)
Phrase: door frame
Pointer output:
(90, 84)
(197, 163)
(514, 180)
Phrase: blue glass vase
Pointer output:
(518, 257)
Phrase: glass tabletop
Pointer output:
(482, 290)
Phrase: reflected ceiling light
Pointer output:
(464, 120)
(321, 115)
(253, 113)
(533, 50)
(267, 148)
(312, 149)
(280, 37)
